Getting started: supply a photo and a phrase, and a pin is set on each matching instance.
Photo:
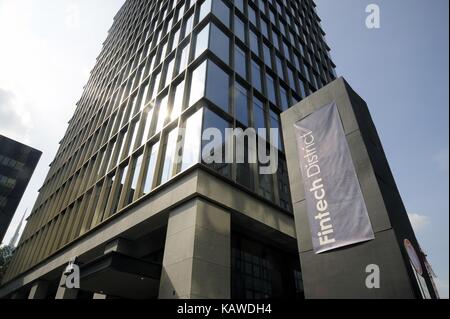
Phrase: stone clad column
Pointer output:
(197, 262)
(342, 273)
(39, 290)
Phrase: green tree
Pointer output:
(6, 253)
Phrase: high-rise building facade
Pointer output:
(131, 201)
(17, 164)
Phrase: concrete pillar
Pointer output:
(197, 262)
(99, 297)
(63, 292)
(38, 290)
(120, 245)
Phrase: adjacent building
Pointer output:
(131, 202)
(17, 164)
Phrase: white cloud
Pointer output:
(419, 222)
(47, 45)
(15, 120)
(441, 159)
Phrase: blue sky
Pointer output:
(401, 70)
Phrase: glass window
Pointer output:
(239, 4)
(275, 124)
(221, 11)
(189, 24)
(163, 50)
(121, 145)
(198, 84)
(143, 98)
(254, 43)
(252, 270)
(241, 104)
(169, 156)
(212, 120)
(217, 88)
(292, 37)
(280, 71)
(138, 78)
(156, 38)
(202, 40)
(291, 78)
(286, 50)
(162, 114)
(151, 165)
(275, 40)
(102, 159)
(282, 28)
(192, 140)
(264, 29)
(148, 115)
(240, 62)
(134, 180)
(267, 56)
(302, 50)
(177, 101)
(260, 5)
(153, 62)
(252, 15)
(169, 72)
(271, 89)
(302, 89)
(125, 115)
(220, 44)
(156, 83)
(135, 128)
(239, 28)
(265, 186)
(108, 196)
(184, 58)
(205, 9)
(307, 73)
(256, 76)
(283, 185)
(318, 82)
(272, 16)
(119, 188)
(244, 175)
(132, 107)
(123, 93)
(259, 114)
(284, 99)
(176, 38)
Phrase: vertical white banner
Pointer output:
(336, 208)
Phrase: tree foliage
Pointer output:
(6, 253)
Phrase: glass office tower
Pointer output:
(124, 180)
